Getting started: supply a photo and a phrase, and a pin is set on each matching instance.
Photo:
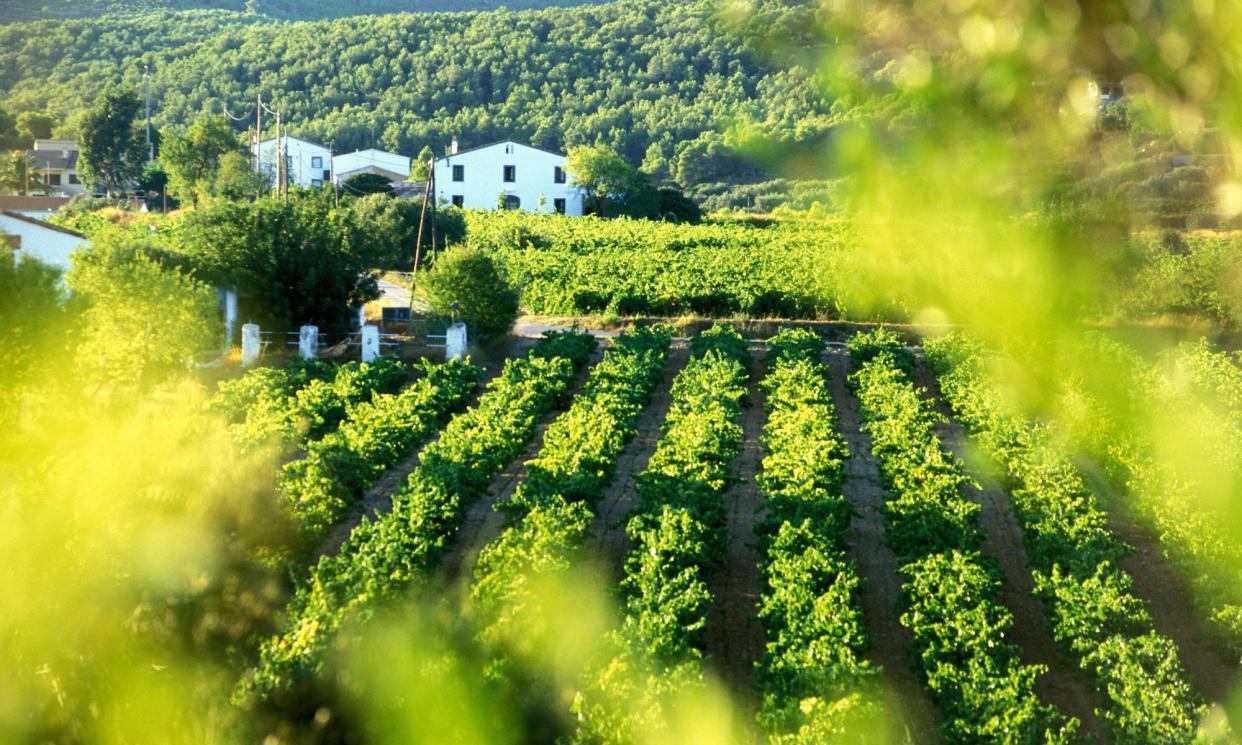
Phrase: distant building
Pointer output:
(389, 165)
(507, 175)
(50, 244)
(309, 165)
(57, 160)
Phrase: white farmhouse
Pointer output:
(48, 243)
(308, 164)
(509, 175)
(389, 165)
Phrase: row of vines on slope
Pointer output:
(950, 597)
(550, 514)
(1093, 614)
(815, 685)
(304, 401)
(1195, 396)
(382, 558)
(339, 467)
(678, 536)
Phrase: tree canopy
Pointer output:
(112, 150)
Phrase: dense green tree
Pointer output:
(292, 263)
(33, 313)
(140, 319)
(154, 181)
(364, 184)
(192, 158)
(235, 178)
(112, 146)
(20, 174)
(35, 125)
(466, 284)
(387, 229)
(9, 137)
(613, 187)
(420, 169)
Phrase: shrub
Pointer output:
(470, 280)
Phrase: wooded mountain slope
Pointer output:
(33, 10)
(656, 80)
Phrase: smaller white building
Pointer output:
(309, 165)
(50, 244)
(389, 165)
(57, 160)
(507, 175)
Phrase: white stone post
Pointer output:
(308, 342)
(251, 345)
(230, 318)
(455, 342)
(370, 343)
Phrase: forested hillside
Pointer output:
(658, 81)
(33, 10)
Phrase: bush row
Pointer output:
(320, 488)
(303, 402)
(950, 599)
(551, 512)
(678, 535)
(812, 678)
(1093, 614)
(381, 558)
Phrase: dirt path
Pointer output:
(734, 639)
(1061, 685)
(621, 496)
(877, 565)
(1212, 671)
(482, 523)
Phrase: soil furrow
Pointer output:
(878, 567)
(621, 496)
(734, 639)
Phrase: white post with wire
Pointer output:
(370, 343)
(252, 344)
(230, 318)
(455, 342)
(308, 342)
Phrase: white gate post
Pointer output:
(230, 318)
(308, 343)
(370, 343)
(251, 345)
(455, 342)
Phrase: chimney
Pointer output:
(453, 147)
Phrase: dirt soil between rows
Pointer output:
(906, 697)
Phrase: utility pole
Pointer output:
(336, 193)
(431, 189)
(146, 88)
(422, 219)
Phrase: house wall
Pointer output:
(484, 179)
(50, 246)
(310, 164)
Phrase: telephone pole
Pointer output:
(146, 89)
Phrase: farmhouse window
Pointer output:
(510, 174)
(317, 162)
(53, 179)
(459, 200)
(559, 206)
(73, 179)
(459, 173)
(558, 175)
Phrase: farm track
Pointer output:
(481, 523)
(621, 496)
(734, 639)
(378, 499)
(1061, 685)
(877, 566)
(1164, 590)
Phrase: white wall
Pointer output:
(46, 244)
(371, 161)
(302, 167)
(484, 182)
